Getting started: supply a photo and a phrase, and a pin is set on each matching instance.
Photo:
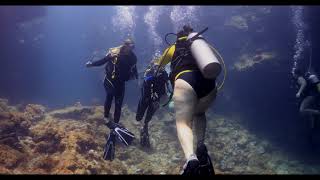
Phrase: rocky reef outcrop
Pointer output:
(71, 141)
(247, 61)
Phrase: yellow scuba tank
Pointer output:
(205, 57)
(115, 51)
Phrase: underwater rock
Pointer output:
(3, 105)
(248, 60)
(75, 113)
(78, 104)
(34, 111)
(45, 163)
(13, 124)
(282, 169)
(238, 22)
(71, 141)
(225, 165)
(219, 145)
(9, 157)
(51, 135)
(242, 141)
(4, 170)
(260, 150)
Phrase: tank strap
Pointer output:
(109, 81)
(183, 38)
(114, 52)
(114, 62)
(185, 71)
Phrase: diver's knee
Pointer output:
(301, 111)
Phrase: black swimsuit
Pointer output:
(200, 85)
(182, 63)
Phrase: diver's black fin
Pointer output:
(191, 168)
(121, 132)
(206, 167)
(124, 135)
(109, 149)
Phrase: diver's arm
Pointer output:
(302, 82)
(101, 61)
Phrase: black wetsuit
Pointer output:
(125, 68)
(151, 91)
(183, 60)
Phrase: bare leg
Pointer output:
(206, 166)
(200, 120)
(184, 100)
(200, 124)
(306, 106)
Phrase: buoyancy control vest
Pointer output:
(121, 67)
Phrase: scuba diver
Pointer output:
(309, 92)
(194, 68)
(154, 87)
(120, 67)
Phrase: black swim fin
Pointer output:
(109, 149)
(121, 132)
(124, 135)
(191, 167)
(206, 167)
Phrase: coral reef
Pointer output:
(71, 141)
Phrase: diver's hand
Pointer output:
(89, 64)
(298, 95)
